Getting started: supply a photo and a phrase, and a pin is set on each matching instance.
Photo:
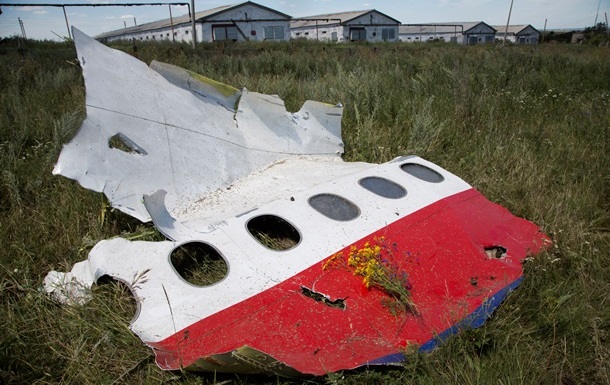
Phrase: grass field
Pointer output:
(527, 126)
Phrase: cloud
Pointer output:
(127, 16)
(462, 3)
(29, 8)
(40, 12)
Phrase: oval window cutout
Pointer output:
(334, 207)
(383, 187)
(274, 232)
(199, 263)
(422, 172)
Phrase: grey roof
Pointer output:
(513, 29)
(333, 18)
(448, 27)
(199, 16)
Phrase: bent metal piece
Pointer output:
(384, 256)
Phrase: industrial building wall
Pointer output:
(333, 33)
(180, 33)
(249, 22)
(377, 26)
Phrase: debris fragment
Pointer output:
(233, 176)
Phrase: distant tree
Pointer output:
(561, 37)
(597, 34)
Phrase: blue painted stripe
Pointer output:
(473, 320)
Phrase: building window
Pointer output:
(274, 33)
(224, 32)
(357, 34)
(388, 34)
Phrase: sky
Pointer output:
(40, 22)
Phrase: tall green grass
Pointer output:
(527, 126)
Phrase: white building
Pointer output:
(238, 22)
(470, 33)
(368, 25)
(518, 34)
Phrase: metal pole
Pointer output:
(508, 22)
(22, 28)
(67, 24)
(194, 37)
(597, 12)
(171, 21)
(544, 31)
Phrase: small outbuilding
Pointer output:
(238, 22)
(470, 33)
(368, 25)
(518, 34)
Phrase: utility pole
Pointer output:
(134, 22)
(171, 20)
(597, 13)
(194, 36)
(544, 31)
(508, 22)
(22, 28)
(67, 24)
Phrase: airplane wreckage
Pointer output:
(381, 258)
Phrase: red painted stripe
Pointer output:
(441, 247)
